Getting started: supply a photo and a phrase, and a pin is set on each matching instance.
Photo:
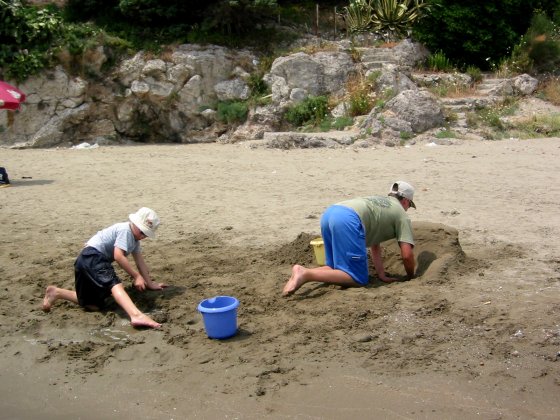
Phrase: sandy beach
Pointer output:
(475, 336)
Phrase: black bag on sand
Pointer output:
(4, 180)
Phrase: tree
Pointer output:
(478, 33)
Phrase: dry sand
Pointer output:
(475, 336)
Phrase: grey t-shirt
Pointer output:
(118, 235)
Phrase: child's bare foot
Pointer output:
(295, 281)
(144, 320)
(50, 298)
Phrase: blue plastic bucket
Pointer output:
(220, 316)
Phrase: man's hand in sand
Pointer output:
(386, 279)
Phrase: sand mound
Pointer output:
(199, 266)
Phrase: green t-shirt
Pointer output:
(383, 218)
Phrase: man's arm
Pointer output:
(407, 255)
(378, 264)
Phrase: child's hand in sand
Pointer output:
(139, 283)
(155, 286)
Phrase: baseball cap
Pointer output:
(403, 189)
(146, 220)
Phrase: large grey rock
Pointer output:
(525, 84)
(230, 90)
(392, 79)
(410, 53)
(52, 133)
(419, 108)
(322, 73)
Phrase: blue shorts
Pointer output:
(94, 278)
(344, 240)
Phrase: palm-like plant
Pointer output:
(357, 16)
(394, 18)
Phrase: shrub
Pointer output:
(539, 126)
(312, 110)
(550, 91)
(257, 85)
(359, 98)
(539, 49)
(475, 73)
(28, 38)
(439, 62)
(406, 135)
(342, 122)
(472, 32)
(446, 134)
(232, 112)
(360, 103)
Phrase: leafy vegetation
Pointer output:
(446, 134)
(478, 33)
(29, 38)
(360, 91)
(538, 126)
(312, 110)
(550, 90)
(475, 73)
(233, 112)
(539, 48)
(438, 62)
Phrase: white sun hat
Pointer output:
(146, 220)
(403, 189)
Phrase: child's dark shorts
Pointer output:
(94, 277)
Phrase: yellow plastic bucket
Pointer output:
(319, 250)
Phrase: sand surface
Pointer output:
(474, 336)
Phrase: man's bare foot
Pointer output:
(295, 281)
(50, 298)
(144, 320)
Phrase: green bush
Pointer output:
(232, 112)
(360, 103)
(475, 73)
(439, 62)
(539, 48)
(257, 85)
(446, 134)
(312, 110)
(340, 123)
(406, 135)
(477, 33)
(539, 126)
(28, 38)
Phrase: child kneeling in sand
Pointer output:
(95, 277)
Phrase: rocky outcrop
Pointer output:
(297, 76)
(174, 97)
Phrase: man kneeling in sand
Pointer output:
(348, 228)
(95, 277)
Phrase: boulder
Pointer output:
(419, 108)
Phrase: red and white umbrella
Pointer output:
(10, 96)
